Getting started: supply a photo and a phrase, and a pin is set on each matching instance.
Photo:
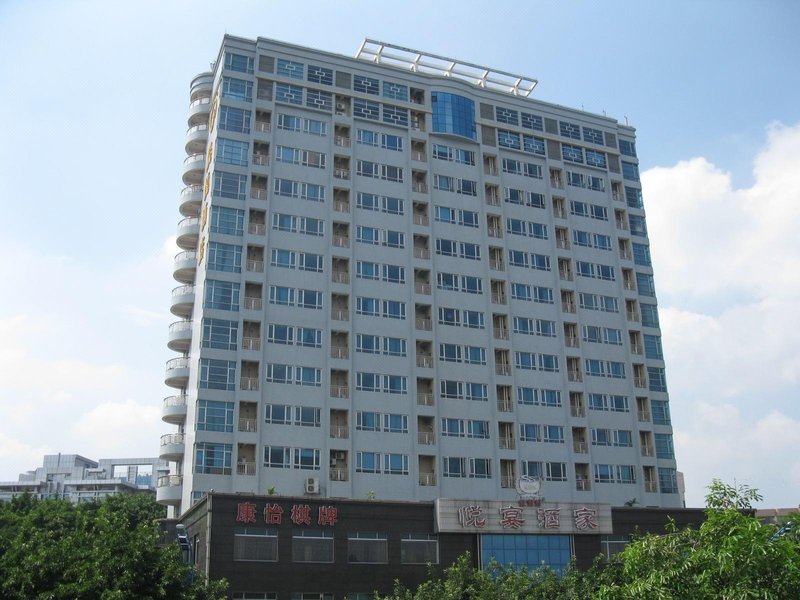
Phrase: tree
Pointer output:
(109, 550)
(730, 556)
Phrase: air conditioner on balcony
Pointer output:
(312, 485)
(341, 106)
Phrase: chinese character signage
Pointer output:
(298, 514)
(493, 516)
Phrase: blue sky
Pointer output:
(95, 104)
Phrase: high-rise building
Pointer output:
(404, 277)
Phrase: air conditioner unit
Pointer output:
(312, 485)
(341, 106)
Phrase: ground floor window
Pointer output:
(531, 551)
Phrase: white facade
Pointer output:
(400, 284)
(79, 479)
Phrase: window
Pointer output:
(395, 464)
(533, 145)
(309, 299)
(454, 466)
(237, 89)
(572, 153)
(649, 315)
(368, 462)
(232, 152)
(363, 547)
(229, 185)
(508, 139)
(278, 414)
(311, 545)
(638, 225)
(630, 171)
(393, 423)
(641, 255)
(534, 122)
(453, 114)
(569, 130)
(506, 115)
(480, 468)
(633, 197)
(306, 458)
(530, 432)
(217, 374)
(214, 459)
(214, 416)
(234, 119)
(555, 471)
(476, 391)
(306, 416)
(660, 410)
(366, 85)
(220, 334)
(395, 91)
(605, 402)
(596, 159)
(652, 347)
(538, 397)
(473, 319)
(664, 447)
(238, 62)
(228, 221)
(645, 284)
(474, 355)
(255, 544)
(593, 136)
(627, 148)
(419, 549)
(667, 480)
(477, 429)
(657, 379)
(222, 295)
(321, 75)
(553, 434)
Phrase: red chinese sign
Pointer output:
(300, 514)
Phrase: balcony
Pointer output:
(582, 485)
(191, 200)
(427, 479)
(338, 474)
(640, 382)
(422, 288)
(260, 160)
(425, 398)
(246, 468)
(177, 372)
(251, 303)
(418, 156)
(419, 187)
(248, 384)
(577, 410)
(255, 266)
(193, 167)
(199, 111)
(505, 405)
(426, 438)
(648, 451)
(182, 301)
(262, 127)
(502, 369)
(425, 361)
(169, 489)
(508, 481)
(202, 85)
(340, 391)
(340, 352)
(341, 173)
(188, 232)
(507, 443)
(258, 193)
(248, 425)
(579, 447)
(423, 324)
(574, 375)
(340, 314)
(196, 138)
(341, 206)
(643, 415)
(257, 228)
(498, 298)
(185, 266)
(341, 141)
(571, 341)
(341, 241)
(179, 337)
(340, 277)
(251, 343)
(422, 253)
(495, 232)
(568, 307)
(497, 264)
(420, 219)
(340, 432)
(650, 487)
(500, 333)
(172, 446)
(174, 409)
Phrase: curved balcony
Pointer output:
(180, 336)
(199, 110)
(172, 446)
(202, 85)
(182, 301)
(193, 167)
(177, 372)
(174, 409)
(196, 138)
(188, 232)
(169, 489)
(185, 266)
(191, 199)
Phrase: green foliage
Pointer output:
(731, 556)
(52, 550)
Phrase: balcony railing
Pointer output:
(640, 382)
(576, 410)
(650, 486)
(422, 288)
(178, 400)
(501, 333)
(245, 468)
(502, 369)
(427, 479)
(571, 341)
(575, 375)
(643, 415)
(338, 474)
(340, 432)
(499, 298)
(341, 241)
(425, 361)
(340, 352)
(248, 425)
(169, 481)
(418, 156)
(341, 206)
(557, 183)
(340, 277)
(256, 266)
(423, 324)
(425, 398)
(261, 159)
(579, 447)
(507, 443)
(251, 343)
(568, 307)
(173, 438)
(257, 228)
(497, 264)
(340, 391)
(341, 141)
(253, 303)
(582, 485)
(633, 316)
(419, 187)
(505, 405)
(180, 362)
(422, 253)
(421, 219)
(562, 243)
(248, 384)
(340, 314)
(263, 126)
(426, 438)
(341, 173)
(648, 451)
(507, 481)
(258, 193)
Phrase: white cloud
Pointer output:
(726, 262)
(118, 428)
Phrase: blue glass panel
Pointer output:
(453, 114)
